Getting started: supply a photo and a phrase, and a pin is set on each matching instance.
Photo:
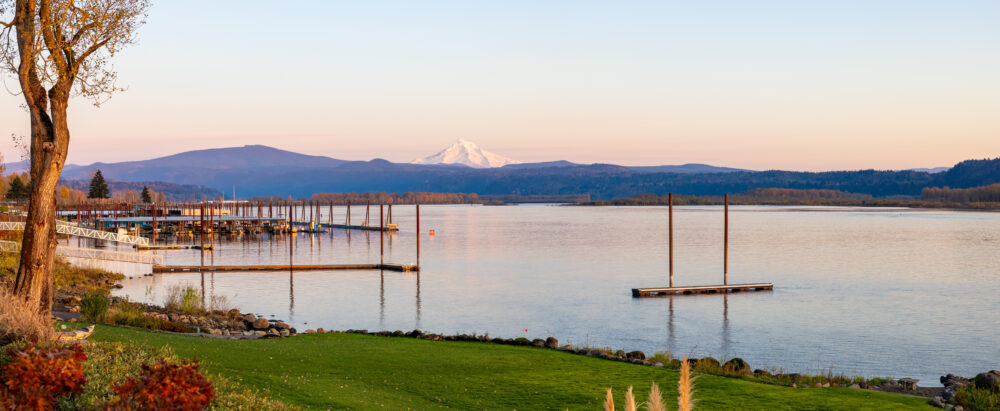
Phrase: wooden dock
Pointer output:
(173, 247)
(701, 289)
(195, 268)
(359, 227)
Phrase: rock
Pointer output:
(551, 342)
(938, 402)
(261, 324)
(909, 384)
(855, 386)
(636, 355)
(948, 393)
(214, 331)
(72, 320)
(794, 385)
(594, 353)
(736, 365)
(247, 333)
(272, 332)
(826, 385)
(311, 331)
(620, 353)
(817, 385)
(987, 380)
(284, 333)
(959, 408)
(415, 334)
(538, 342)
(74, 309)
(658, 364)
(281, 325)
(249, 318)
(259, 333)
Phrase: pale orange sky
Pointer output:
(846, 85)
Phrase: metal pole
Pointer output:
(725, 246)
(670, 213)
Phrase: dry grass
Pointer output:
(629, 400)
(656, 399)
(19, 321)
(609, 401)
(685, 387)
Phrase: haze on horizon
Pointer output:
(788, 85)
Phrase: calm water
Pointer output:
(903, 293)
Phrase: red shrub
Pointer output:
(35, 377)
(165, 386)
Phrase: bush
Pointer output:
(94, 307)
(19, 321)
(131, 314)
(36, 378)
(165, 386)
(184, 298)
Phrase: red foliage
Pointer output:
(165, 386)
(35, 377)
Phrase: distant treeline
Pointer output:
(987, 197)
(986, 194)
(433, 198)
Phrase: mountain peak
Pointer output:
(467, 153)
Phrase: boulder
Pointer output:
(415, 334)
(855, 386)
(271, 332)
(261, 324)
(320, 330)
(551, 342)
(249, 318)
(284, 333)
(909, 384)
(281, 325)
(311, 331)
(658, 364)
(259, 333)
(636, 355)
(736, 365)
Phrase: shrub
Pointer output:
(184, 298)
(35, 378)
(978, 396)
(131, 314)
(94, 307)
(20, 321)
(165, 386)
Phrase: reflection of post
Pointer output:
(725, 325)
(670, 325)
(418, 300)
(381, 300)
(291, 295)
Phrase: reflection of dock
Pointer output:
(195, 268)
(701, 289)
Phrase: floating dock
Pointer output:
(173, 247)
(701, 289)
(391, 227)
(196, 268)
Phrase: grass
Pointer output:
(366, 372)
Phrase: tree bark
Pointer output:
(49, 146)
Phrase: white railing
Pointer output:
(93, 254)
(63, 227)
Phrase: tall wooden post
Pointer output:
(670, 230)
(381, 236)
(418, 237)
(725, 246)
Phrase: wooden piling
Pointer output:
(418, 236)
(725, 245)
(670, 236)
(381, 237)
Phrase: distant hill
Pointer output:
(173, 192)
(265, 171)
(933, 170)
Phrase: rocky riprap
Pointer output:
(989, 380)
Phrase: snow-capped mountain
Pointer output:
(466, 153)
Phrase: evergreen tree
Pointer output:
(99, 187)
(17, 189)
(146, 198)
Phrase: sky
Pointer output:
(796, 85)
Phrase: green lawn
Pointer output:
(337, 371)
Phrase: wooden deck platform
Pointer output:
(195, 268)
(701, 289)
(358, 227)
(173, 247)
